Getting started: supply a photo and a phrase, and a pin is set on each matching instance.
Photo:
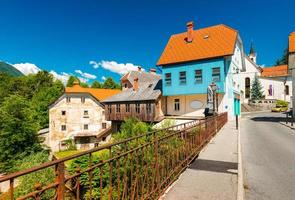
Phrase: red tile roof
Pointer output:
(210, 42)
(275, 71)
(292, 42)
(99, 94)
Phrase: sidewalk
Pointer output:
(214, 174)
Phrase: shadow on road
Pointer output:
(269, 119)
(215, 166)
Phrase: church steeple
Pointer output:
(252, 53)
(252, 50)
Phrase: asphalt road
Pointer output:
(268, 154)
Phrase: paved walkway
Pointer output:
(214, 175)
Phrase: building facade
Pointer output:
(79, 116)
(140, 98)
(193, 60)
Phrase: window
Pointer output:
(137, 108)
(182, 78)
(168, 79)
(125, 85)
(86, 112)
(104, 125)
(63, 127)
(270, 91)
(287, 90)
(198, 76)
(68, 99)
(83, 99)
(247, 88)
(176, 104)
(104, 139)
(110, 108)
(63, 112)
(216, 74)
(148, 108)
(85, 126)
(127, 107)
(117, 108)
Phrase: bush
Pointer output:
(43, 177)
(282, 103)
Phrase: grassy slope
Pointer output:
(9, 69)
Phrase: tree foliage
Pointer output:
(96, 84)
(256, 89)
(24, 105)
(71, 81)
(109, 83)
(17, 130)
(284, 58)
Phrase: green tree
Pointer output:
(109, 83)
(256, 90)
(18, 130)
(96, 84)
(284, 59)
(71, 81)
(43, 98)
(84, 85)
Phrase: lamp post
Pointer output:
(214, 89)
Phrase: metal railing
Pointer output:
(141, 167)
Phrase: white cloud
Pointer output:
(85, 75)
(103, 78)
(27, 68)
(63, 77)
(113, 66)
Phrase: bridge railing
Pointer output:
(141, 167)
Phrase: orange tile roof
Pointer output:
(292, 42)
(99, 94)
(210, 42)
(280, 70)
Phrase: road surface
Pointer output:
(268, 154)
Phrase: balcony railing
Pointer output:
(141, 167)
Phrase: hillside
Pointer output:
(9, 69)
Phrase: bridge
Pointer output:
(141, 167)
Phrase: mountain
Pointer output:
(9, 69)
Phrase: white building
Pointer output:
(79, 116)
(275, 80)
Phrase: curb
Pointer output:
(241, 190)
(287, 125)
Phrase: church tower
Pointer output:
(252, 54)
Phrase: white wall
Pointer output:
(74, 118)
(233, 80)
(250, 72)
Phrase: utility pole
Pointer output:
(291, 68)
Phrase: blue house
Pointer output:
(192, 60)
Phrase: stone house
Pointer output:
(79, 116)
(141, 97)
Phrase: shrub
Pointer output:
(282, 103)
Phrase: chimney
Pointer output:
(190, 30)
(152, 70)
(135, 84)
(139, 68)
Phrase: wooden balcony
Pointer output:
(114, 114)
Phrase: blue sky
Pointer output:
(65, 36)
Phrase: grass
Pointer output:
(66, 153)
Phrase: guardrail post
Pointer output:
(60, 178)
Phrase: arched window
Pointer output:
(247, 87)
(286, 89)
